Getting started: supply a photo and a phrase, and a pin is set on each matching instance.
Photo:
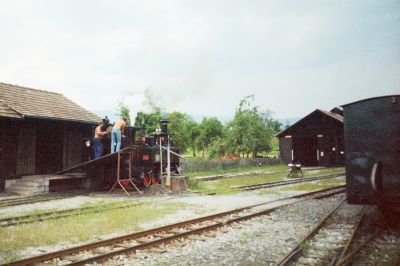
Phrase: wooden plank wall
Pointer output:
(8, 149)
(285, 149)
(73, 146)
(26, 150)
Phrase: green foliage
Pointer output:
(250, 132)
(211, 130)
(150, 121)
(182, 129)
(271, 123)
(194, 133)
(220, 146)
(123, 111)
(275, 146)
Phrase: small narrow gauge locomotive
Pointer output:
(149, 156)
(372, 146)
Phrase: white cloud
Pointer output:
(202, 57)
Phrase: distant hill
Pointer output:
(290, 121)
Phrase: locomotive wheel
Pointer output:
(146, 181)
(154, 180)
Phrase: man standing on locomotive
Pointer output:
(117, 134)
(98, 140)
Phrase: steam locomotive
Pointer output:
(148, 160)
(372, 145)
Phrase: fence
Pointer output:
(202, 165)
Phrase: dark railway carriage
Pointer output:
(372, 145)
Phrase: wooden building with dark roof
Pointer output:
(41, 132)
(315, 140)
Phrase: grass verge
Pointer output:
(80, 228)
(226, 186)
(322, 184)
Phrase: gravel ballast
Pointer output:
(261, 241)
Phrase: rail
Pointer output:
(169, 233)
(288, 182)
(303, 251)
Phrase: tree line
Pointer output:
(248, 134)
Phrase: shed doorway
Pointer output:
(305, 151)
(49, 149)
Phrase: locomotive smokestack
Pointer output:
(164, 125)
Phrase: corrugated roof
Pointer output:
(18, 102)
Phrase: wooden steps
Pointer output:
(42, 184)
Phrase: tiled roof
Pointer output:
(19, 102)
(6, 111)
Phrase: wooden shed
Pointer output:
(315, 140)
(41, 132)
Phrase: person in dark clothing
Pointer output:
(98, 140)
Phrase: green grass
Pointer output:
(326, 171)
(80, 228)
(95, 206)
(199, 152)
(322, 184)
(279, 167)
(226, 186)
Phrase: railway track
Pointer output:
(327, 242)
(380, 247)
(9, 202)
(174, 233)
(26, 219)
(288, 182)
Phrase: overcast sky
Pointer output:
(201, 57)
